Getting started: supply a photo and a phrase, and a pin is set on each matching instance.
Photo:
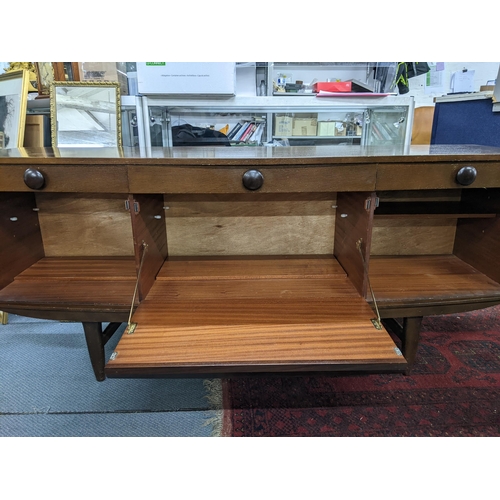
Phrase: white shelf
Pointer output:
(273, 104)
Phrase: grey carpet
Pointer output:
(47, 388)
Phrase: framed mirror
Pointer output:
(85, 114)
(13, 102)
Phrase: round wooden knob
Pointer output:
(253, 180)
(34, 179)
(466, 176)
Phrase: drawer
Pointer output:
(300, 179)
(66, 179)
(436, 175)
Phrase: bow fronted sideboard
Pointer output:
(249, 260)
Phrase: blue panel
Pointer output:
(466, 122)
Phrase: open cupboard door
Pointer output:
(267, 314)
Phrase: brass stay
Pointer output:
(377, 322)
(132, 326)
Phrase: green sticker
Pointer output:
(155, 64)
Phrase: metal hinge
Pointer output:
(368, 203)
(131, 328)
(137, 207)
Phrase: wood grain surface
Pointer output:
(267, 235)
(441, 279)
(88, 225)
(69, 179)
(277, 179)
(413, 236)
(258, 322)
(81, 269)
(245, 224)
(99, 284)
(434, 175)
(220, 268)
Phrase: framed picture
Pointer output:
(45, 78)
(66, 71)
(13, 104)
(85, 114)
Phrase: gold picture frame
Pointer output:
(13, 104)
(45, 78)
(85, 114)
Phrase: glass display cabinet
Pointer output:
(284, 120)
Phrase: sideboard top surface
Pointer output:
(262, 155)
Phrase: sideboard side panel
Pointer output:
(21, 241)
(477, 241)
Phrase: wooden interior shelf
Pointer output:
(250, 268)
(428, 279)
(219, 315)
(73, 284)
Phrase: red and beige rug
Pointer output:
(454, 390)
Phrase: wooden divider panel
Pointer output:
(352, 228)
(148, 227)
(21, 241)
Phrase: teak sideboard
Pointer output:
(231, 260)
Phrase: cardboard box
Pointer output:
(326, 129)
(105, 72)
(185, 79)
(305, 126)
(37, 131)
(333, 86)
(283, 125)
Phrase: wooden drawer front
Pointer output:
(68, 179)
(435, 175)
(230, 180)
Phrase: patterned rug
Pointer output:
(454, 390)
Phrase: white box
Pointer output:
(326, 129)
(184, 79)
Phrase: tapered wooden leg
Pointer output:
(410, 339)
(95, 346)
(96, 340)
